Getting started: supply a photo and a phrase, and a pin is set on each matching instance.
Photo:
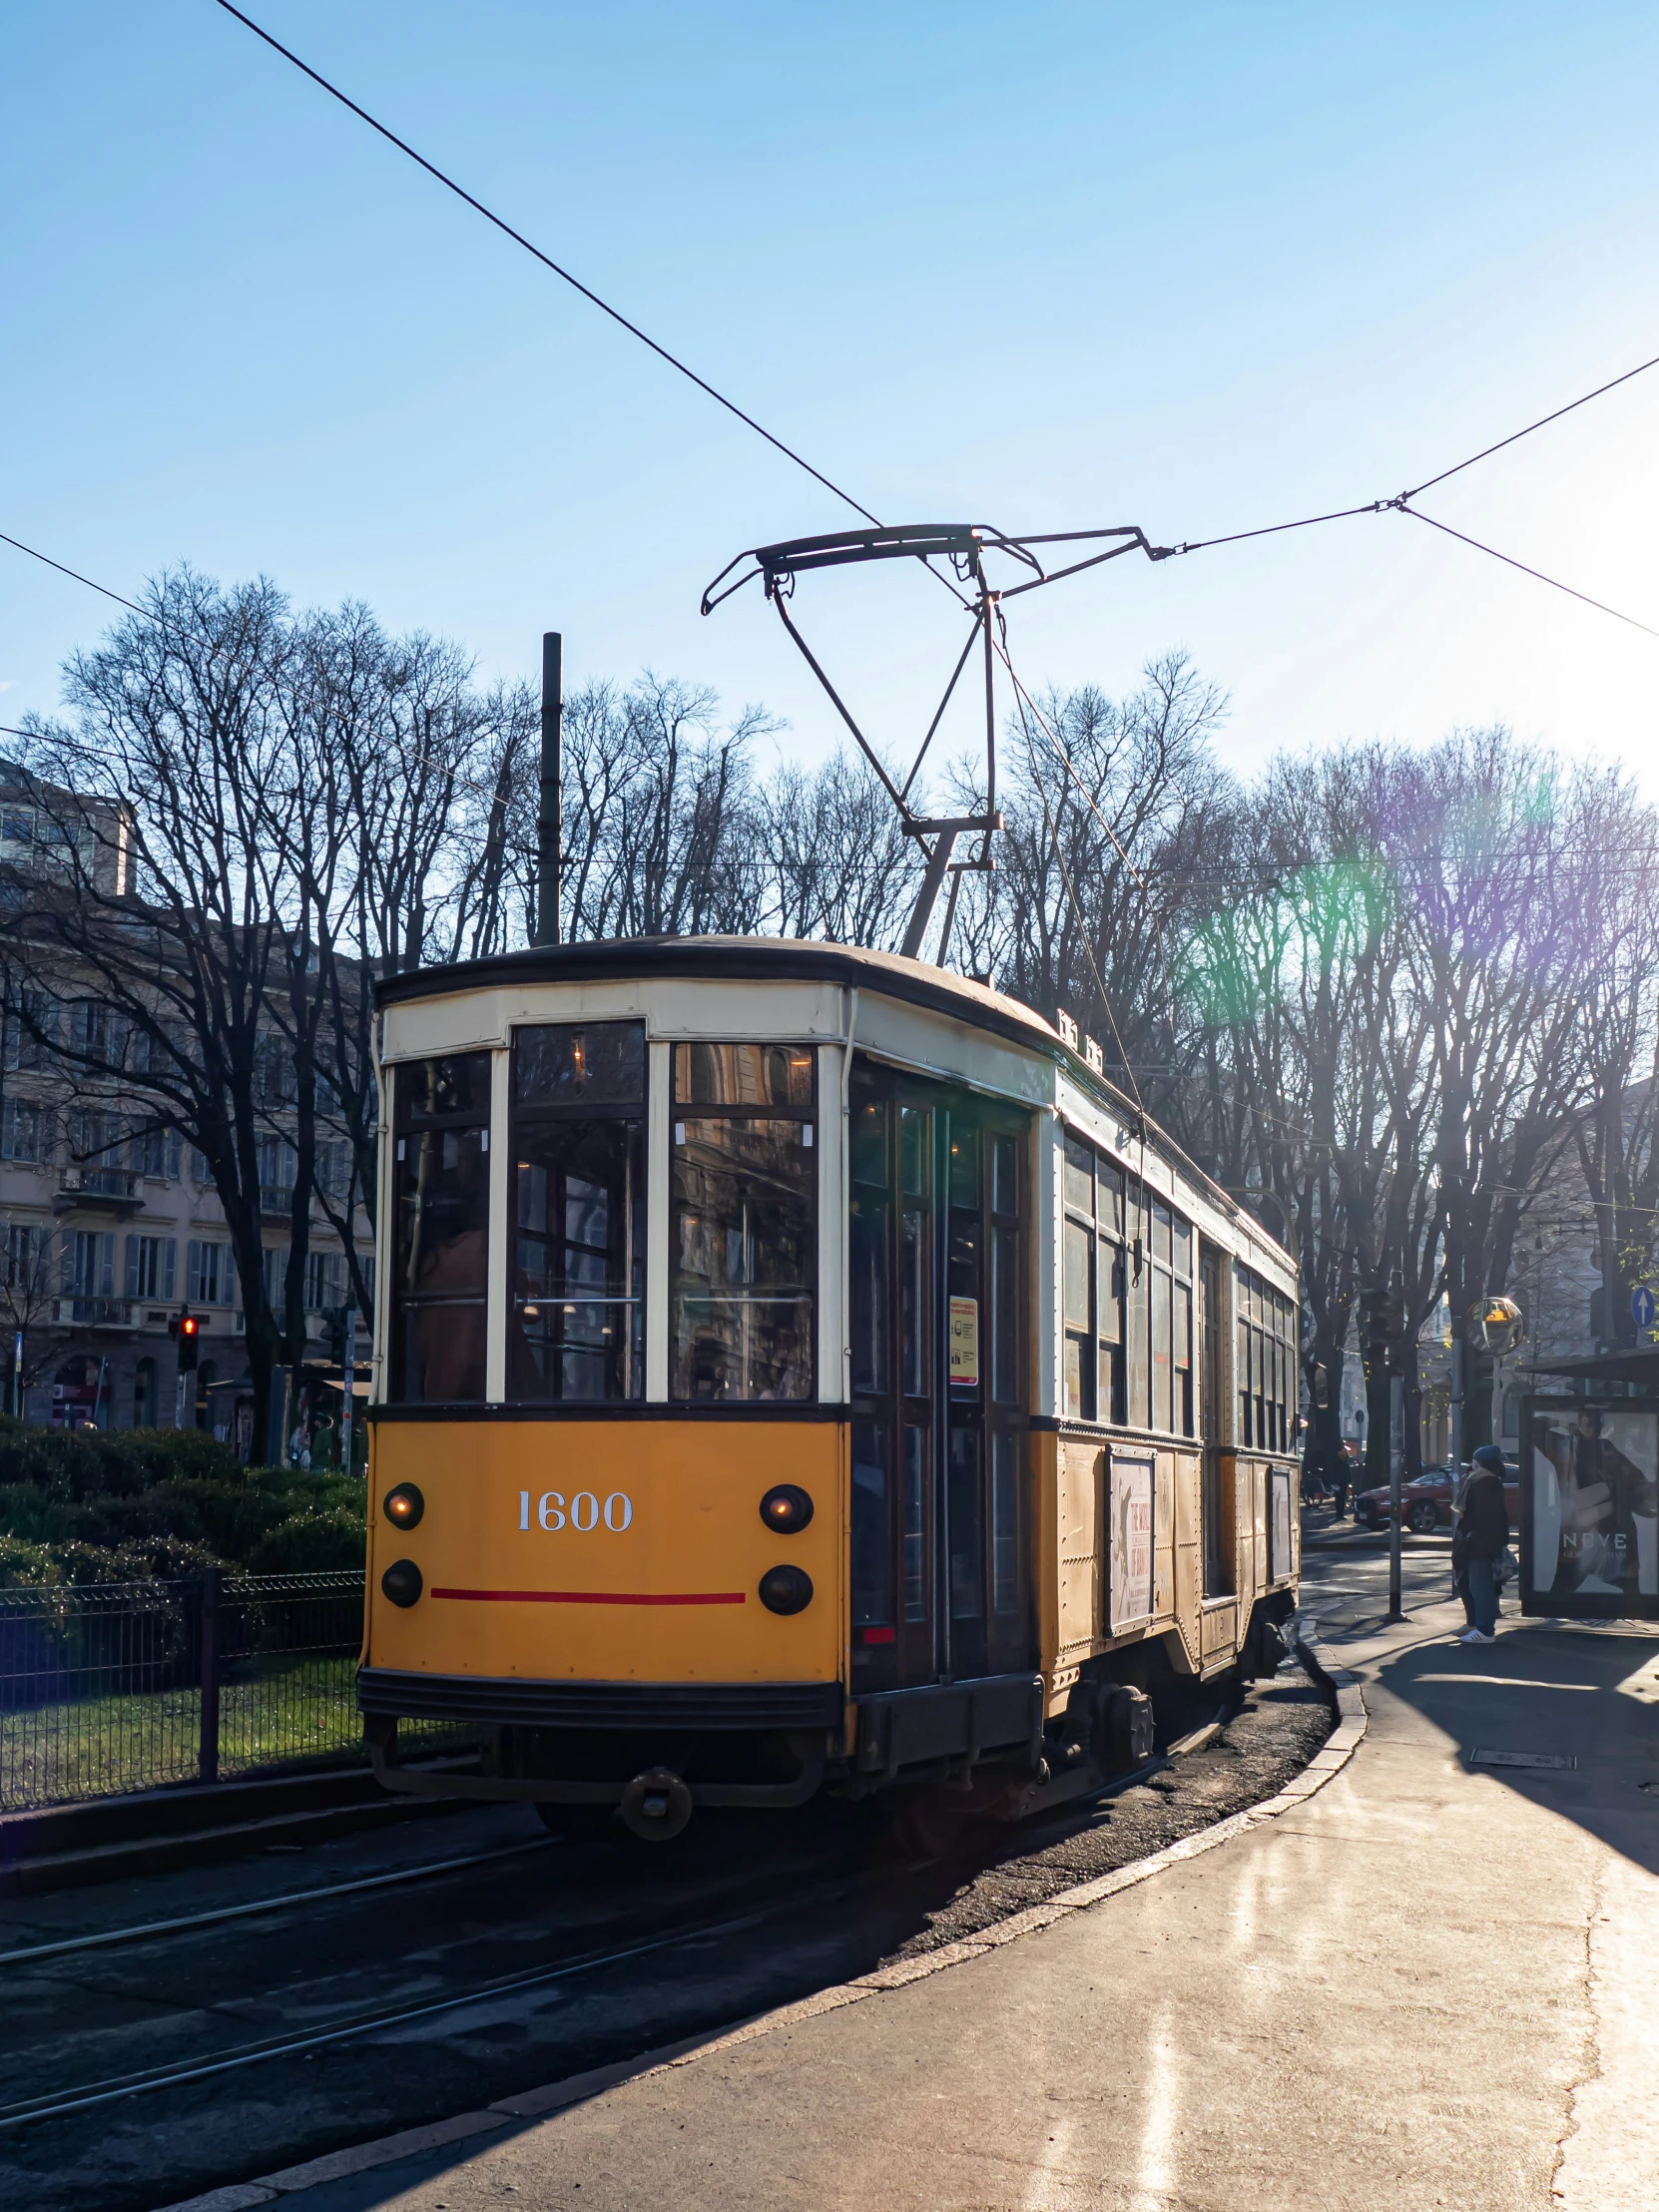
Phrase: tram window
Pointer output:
(751, 1075)
(913, 1522)
(1005, 1176)
(869, 1215)
(1247, 1426)
(1004, 1523)
(1111, 1201)
(871, 1555)
(744, 1200)
(1005, 1317)
(1079, 1178)
(562, 1064)
(1265, 1379)
(1181, 1337)
(914, 1303)
(576, 1331)
(915, 1172)
(964, 1169)
(440, 1207)
(1136, 1300)
(1076, 1274)
(968, 1548)
(1160, 1348)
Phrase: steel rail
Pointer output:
(110, 2091)
(142, 1929)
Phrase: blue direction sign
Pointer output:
(1643, 1305)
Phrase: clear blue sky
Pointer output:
(1193, 267)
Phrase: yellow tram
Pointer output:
(798, 1368)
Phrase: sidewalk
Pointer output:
(1428, 1986)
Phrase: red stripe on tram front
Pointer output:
(595, 1597)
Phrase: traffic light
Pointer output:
(185, 1331)
(1382, 1325)
(334, 1321)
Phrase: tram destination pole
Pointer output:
(550, 811)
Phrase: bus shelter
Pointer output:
(1589, 1491)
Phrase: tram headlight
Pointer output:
(786, 1509)
(402, 1582)
(785, 1589)
(403, 1507)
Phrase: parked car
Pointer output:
(1425, 1505)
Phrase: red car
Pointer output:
(1425, 1505)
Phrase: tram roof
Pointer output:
(800, 959)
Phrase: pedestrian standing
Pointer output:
(1482, 1538)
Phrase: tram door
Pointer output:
(941, 1540)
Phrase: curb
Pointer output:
(556, 2096)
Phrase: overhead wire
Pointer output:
(564, 275)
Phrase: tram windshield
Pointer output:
(577, 1327)
(744, 1199)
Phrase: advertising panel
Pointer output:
(1589, 1507)
(1133, 1527)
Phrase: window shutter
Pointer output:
(169, 1253)
(105, 1263)
(172, 1153)
(192, 1270)
(134, 1254)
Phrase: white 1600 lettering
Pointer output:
(584, 1514)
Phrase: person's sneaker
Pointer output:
(1476, 1636)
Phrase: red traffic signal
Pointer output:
(187, 1330)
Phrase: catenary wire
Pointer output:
(1487, 451)
(547, 261)
(1510, 561)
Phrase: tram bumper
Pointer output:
(626, 1731)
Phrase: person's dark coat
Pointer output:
(1483, 1529)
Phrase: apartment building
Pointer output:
(110, 1223)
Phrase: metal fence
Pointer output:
(124, 1686)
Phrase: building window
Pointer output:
(21, 1130)
(322, 1280)
(209, 1273)
(30, 1028)
(28, 1258)
(90, 1254)
(143, 1394)
(744, 1221)
(576, 1331)
(150, 1267)
(440, 1229)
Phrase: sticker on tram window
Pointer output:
(964, 1341)
(584, 1512)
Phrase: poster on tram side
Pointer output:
(1588, 1497)
(1133, 1508)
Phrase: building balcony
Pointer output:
(93, 1312)
(98, 1189)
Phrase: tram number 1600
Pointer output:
(584, 1512)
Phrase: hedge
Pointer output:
(128, 1505)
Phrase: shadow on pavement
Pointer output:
(1556, 1692)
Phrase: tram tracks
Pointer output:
(319, 1893)
(265, 2048)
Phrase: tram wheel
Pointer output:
(927, 1822)
(577, 1823)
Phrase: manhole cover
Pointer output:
(1549, 1758)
